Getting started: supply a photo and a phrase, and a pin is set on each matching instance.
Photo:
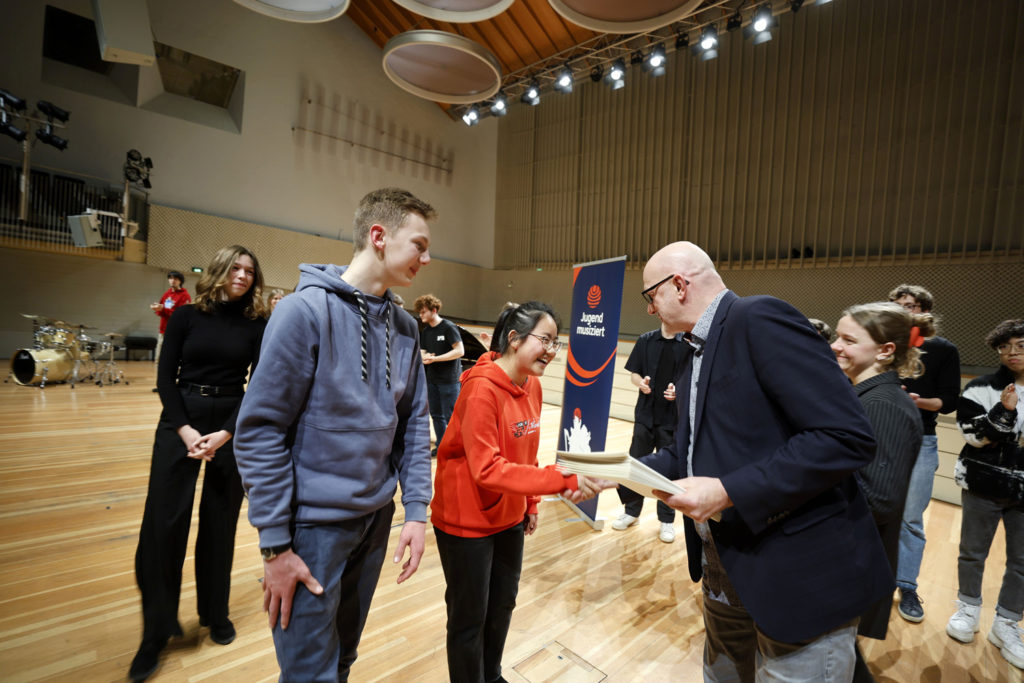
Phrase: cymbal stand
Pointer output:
(110, 373)
(79, 350)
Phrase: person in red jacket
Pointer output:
(488, 485)
(174, 298)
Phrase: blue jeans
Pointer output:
(346, 558)
(979, 521)
(919, 494)
(736, 650)
(441, 399)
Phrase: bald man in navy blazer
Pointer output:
(769, 436)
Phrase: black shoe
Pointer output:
(222, 634)
(147, 659)
(910, 606)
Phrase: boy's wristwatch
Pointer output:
(273, 551)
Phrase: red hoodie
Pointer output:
(487, 476)
(169, 302)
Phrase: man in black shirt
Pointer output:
(441, 348)
(934, 392)
(656, 360)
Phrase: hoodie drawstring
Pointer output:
(364, 312)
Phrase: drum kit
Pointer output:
(63, 352)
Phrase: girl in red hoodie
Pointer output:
(488, 485)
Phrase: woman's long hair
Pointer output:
(888, 322)
(210, 288)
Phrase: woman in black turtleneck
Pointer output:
(209, 348)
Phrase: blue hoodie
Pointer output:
(316, 442)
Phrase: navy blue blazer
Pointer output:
(778, 422)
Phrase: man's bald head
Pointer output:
(690, 284)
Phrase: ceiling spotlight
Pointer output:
(636, 57)
(597, 73)
(616, 77)
(13, 101)
(795, 5)
(706, 48)
(46, 136)
(734, 22)
(682, 41)
(13, 131)
(472, 116)
(655, 61)
(563, 81)
(499, 107)
(137, 168)
(532, 94)
(761, 24)
(52, 111)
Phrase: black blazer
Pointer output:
(779, 424)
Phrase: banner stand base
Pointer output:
(595, 524)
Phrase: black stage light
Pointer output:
(636, 57)
(795, 5)
(134, 156)
(734, 22)
(13, 131)
(472, 116)
(563, 81)
(132, 174)
(499, 107)
(13, 101)
(682, 41)
(654, 64)
(52, 111)
(45, 136)
(707, 47)
(532, 94)
(597, 73)
(616, 77)
(761, 24)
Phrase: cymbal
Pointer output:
(111, 334)
(39, 318)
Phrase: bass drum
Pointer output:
(30, 365)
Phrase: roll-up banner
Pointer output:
(590, 363)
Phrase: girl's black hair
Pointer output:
(520, 318)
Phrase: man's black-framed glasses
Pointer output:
(648, 294)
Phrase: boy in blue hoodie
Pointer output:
(334, 417)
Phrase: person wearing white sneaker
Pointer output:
(656, 359)
(990, 417)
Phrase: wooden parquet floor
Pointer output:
(593, 606)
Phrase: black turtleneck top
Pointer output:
(216, 348)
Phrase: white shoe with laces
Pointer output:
(964, 623)
(624, 521)
(667, 533)
(1005, 635)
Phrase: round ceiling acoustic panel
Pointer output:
(442, 67)
(303, 11)
(456, 11)
(616, 16)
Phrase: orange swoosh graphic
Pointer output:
(587, 374)
(575, 274)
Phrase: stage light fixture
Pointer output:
(682, 41)
(137, 168)
(616, 77)
(45, 135)
(707, 47)
(532, 94)
(472, 116)
(563, 81)
(52, 111)
(636, 57)
(12, 101)
(597, 73)
(13, 131)
(822, 2)
(761, 24)
(734, 22)
(795, 5)
(499, 107)
(654, 64)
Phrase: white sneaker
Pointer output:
(667, 533)
(964, 624)
(624, 521)
(1005, 635)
